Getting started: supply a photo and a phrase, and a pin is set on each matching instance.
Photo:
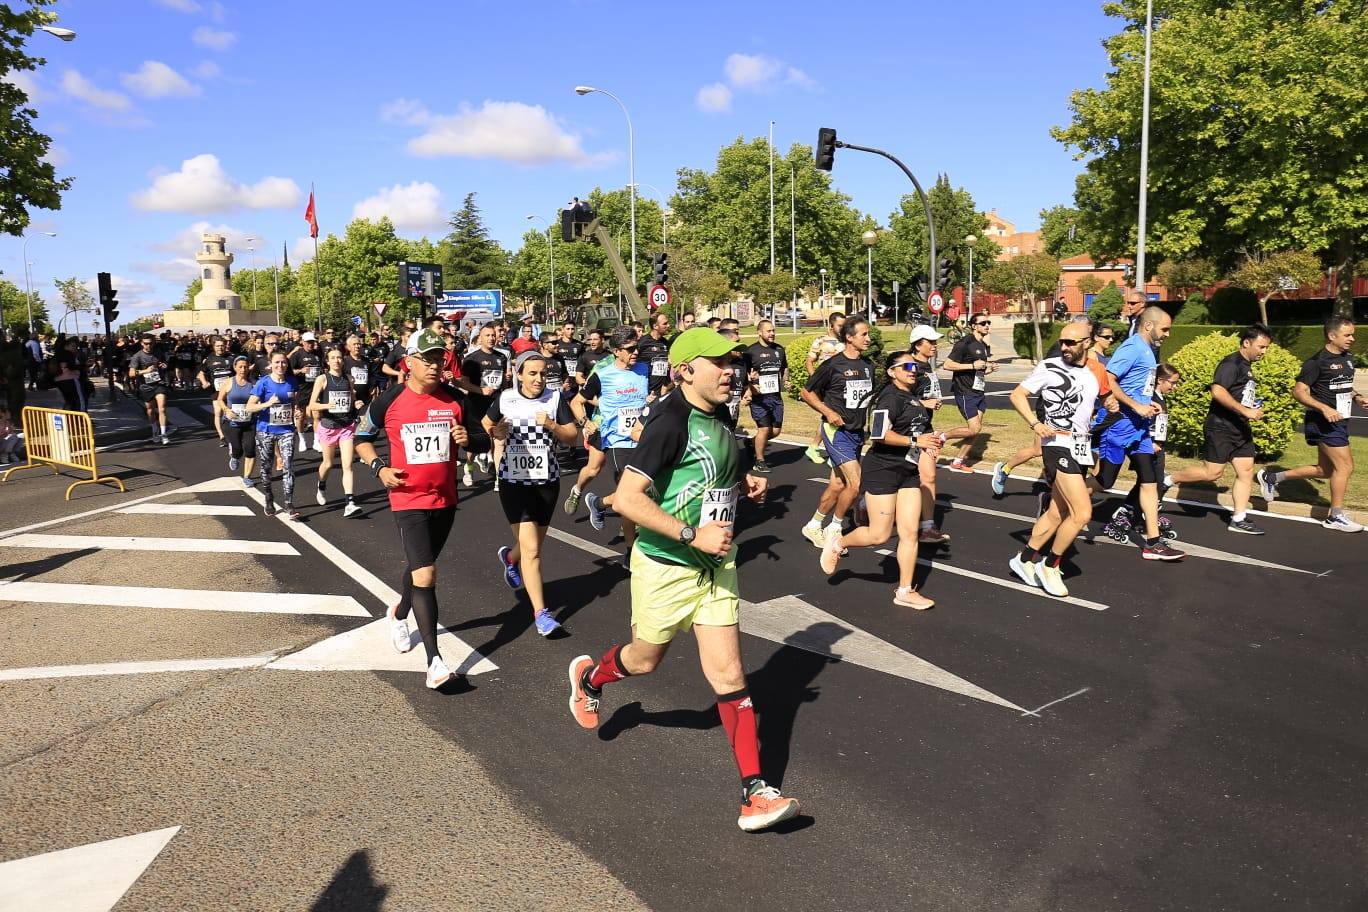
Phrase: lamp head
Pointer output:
(584, 90)
(65, 34)
(971, 240)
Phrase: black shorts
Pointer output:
(595, 441)
(149, 393)
(879, 475)
(1221, 444)
(241, 439)
(1059, 461)
(617, 458)
(423, 533)
(1318, 431)
(534, 503)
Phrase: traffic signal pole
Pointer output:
(921, 194)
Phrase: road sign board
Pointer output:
(935, 302)
(489, 300)
(896, 288)
(379, 308)
(659, 296)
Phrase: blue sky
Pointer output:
(173, 115)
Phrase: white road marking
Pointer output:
(189, 509)
(179, 489)
(368, 648)
(791, 621)
(182, 599)
(183, 420)
(144, 543)
(1004, 583)
(1076, 693)
(102, 669)
(88, 878)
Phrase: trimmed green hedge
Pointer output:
(797, 350)
(1301, 341)
(1275, 373)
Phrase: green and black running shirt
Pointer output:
(694, 464)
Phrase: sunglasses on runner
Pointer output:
(1107, 338)
(907, 365)
(983, 322)
(1072, 342)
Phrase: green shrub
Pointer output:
(1107, 305)
(1193, 310)
(1023, 337)
(1239, 306)
(1276, 373)
(796, 352)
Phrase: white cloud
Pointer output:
(181, 6)
(416, 207)
(57, 156)
(155, 79)
(78, 87)
(302, 251)
(751, 71)
(504, 130)
(214, 39)
(201, 185)
(207, 69)
(714, 98)
(802, 80)
(26, 82)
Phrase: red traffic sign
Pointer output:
(659, 296)
(935, 302)
(380, 308)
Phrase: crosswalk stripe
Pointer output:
(102, 669)
(186, 510)
(1004, 583)
(147, 543)
(183, 599)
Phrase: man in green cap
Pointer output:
(680, 488)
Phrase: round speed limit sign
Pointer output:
(659, 296)
(935, 302)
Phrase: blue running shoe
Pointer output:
(512, 575)
(546, 624)
(596, 511)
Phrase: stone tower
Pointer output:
(215, 264)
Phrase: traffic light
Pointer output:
(943, 269)
(108, 298)
(826, 148)
(919, 283)
(660, 268)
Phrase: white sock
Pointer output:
(576, 489)
(1237, 517)
(1168, 481)
(163, 430)
(928, 524)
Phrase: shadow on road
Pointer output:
(29, 569)
(353, 888)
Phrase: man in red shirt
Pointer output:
(424, 423)
(524, 342)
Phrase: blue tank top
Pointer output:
(236, 398)
(622, 396)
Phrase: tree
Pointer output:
(1186, 275)
(15, 308)
(1060, 232)
(1029, 277)
(1259, 128)
(29, 180)
(770, 288)
(904, 254)
(469, 258)
(76, 298)
(1090, 284)
(1272, 274)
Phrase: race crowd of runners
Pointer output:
(658, 405)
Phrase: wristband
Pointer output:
(377, 464)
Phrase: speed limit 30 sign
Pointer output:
(659, 296)
(935, 302)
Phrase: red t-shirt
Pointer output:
(449, 363)
(419, 431)
(520, 345)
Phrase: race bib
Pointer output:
(629, 418)
(426, 442)
(527, 461)
(339, 402)
(1250, 397)
(360, 376)
(152, 376)
(719, 506)
(856, 392)
(980, 384)
(281, 414)
(222, 383)
(311, 372)
(660, 368)
(1080, 448)
(769, 383)
(933, 387)
(1344, 403)
(1147, 390)
(1160, 432)
(239, 413)
(491, 379)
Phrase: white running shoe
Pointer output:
(1266, 487)
(351, 509)
(1051, 580)
(1025, 570)
(437, 673)
(399, 631)
(1341, 523)
(467, 479)
(321, 497)
(831, 550)
(813, 533)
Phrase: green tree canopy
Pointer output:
(27, 179)
(469, 257)
(902, 255)
(1061, 233)
(1271, 274)
(15, 307)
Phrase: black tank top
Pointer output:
(338, 394)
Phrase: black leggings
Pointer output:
(241, 439)
(1143, 464)
(423, 534)
(1133, 498)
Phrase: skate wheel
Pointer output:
(1115, 534)
(1170, 535)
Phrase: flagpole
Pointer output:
(318, 283)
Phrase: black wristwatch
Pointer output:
(687, 534)
(377, 464)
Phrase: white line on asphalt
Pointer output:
(583, 544)
(145, 543)
(190, 509)
(96, 512)
(1004, 583)
(1076, 693)
(127, 668)
(368, 648)
(88, 878)
(182, 599)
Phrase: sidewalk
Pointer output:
(120, 422)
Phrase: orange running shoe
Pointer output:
(583, 704)
(911, 598)
(763, 807)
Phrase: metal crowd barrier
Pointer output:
(60, 440)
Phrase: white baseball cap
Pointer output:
(922, 331)
(308, 337)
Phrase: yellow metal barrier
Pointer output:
(58, 438)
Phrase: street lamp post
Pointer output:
(970, 241)
(251, 251)
(660, 196)
(793, 234)
(1144, 154)
(551, 255)
(631, 163)
(275, 282)
(870, 238)
(821, 298)
(28, 279)
(770, 148)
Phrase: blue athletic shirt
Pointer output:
(236, 400)
(621, 398)
(1133, 365)
(278, 419)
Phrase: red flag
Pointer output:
(311, 217)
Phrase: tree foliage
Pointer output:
(903, 255)
(1187, 274)
(1259, 132)
(27, 179)
(1061, 232)
(15, 307)
(76, 297)
(1271, 274)
(469, 257)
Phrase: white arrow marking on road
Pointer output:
(127, 668)
(147, 543)
(1004, 583)
(88, 878)
(187, 509)
(790, 621)
(368, 648)
(182, 599)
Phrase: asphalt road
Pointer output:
(1186, 736)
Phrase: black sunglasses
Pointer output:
(1106, 338)
(1072, 342)
(983, 322)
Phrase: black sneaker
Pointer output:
(761, 467)
(290, 512)
(270, 507)
(1245, 526)
(1162, 551)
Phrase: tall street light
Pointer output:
(870, 238)
(631, 163)
(660, 196)
(970, 241)
(821, 298)
(251, 250)
(550, 252)
(770, 147)
(1144, 153)
(793, 233)
(28, 279)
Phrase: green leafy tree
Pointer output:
(1186, 275)
(1275, 374)
(903, 254)
(1272, 274)
(1090, 284)
(767, 288)
(469, 257)
(76, 298)
(1029, 278)
(16, 312)
(1259, 133)
(29, 180)
(1106, 307)
(1061, 233)
(188, 301)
